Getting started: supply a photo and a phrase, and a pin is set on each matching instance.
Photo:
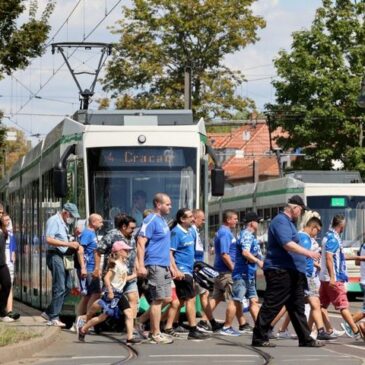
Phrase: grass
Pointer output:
(10, 335)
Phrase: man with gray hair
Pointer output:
(284, 269)
(59, 246)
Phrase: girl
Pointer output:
(113, 300)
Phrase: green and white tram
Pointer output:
(99, 160)
(329, 193)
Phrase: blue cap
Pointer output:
(72, 209)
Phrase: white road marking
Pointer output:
(355, 347)
(97, 357)
(205, 355)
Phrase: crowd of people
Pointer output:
(147, 257)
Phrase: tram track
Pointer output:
(267, 357)
(132, 352)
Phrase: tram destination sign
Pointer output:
(338, 202)
(152, 156)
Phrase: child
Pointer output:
(113, 300)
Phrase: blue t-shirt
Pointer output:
(282, 230)
(332, 243)
(306, 242)
(242, 267)
(89, 242)
(182, 244)
(156, 230)
(57, 228)
(224, 242)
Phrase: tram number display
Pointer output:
(126, 157)
(338, 202)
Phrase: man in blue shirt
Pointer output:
(182, 264)
(225, 255)
(248, 257)
(284, 270)
(153, 262)
(58, 247)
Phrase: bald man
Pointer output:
(90, 286)
(154, 262)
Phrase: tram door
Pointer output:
(34, 243)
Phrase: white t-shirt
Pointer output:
(119, 275)
(362, 265)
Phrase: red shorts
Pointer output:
(173, 294)
(333, 294)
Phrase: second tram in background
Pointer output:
(328, 192)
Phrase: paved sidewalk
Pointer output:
(30, 320)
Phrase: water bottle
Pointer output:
(83, 290)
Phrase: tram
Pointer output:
(327, 192)
(100, 160)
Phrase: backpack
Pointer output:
(204, 274)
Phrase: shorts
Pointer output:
(92, 285)
(185, 288)
(313, 287)
(159, 281)
(335, 295)
(223, 287)
(199, 290)
(144, 289)
(114, 308)
(243, 288)
(130, 287)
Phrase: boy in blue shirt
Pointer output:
(248, 256)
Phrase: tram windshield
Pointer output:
(125, 179)
(352, 207)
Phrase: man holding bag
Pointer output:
(60, 248)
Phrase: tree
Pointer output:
(20, 43)
(319, 83)
(160, 38)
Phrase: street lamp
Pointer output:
(361, 98)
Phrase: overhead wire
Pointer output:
(68, 57)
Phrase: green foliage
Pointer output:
(160, 38)
(20, 43)
(319, 83)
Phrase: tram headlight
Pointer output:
(141, 139)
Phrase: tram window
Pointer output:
(267, 213)
(260, 212)
(274, 212)
(242, 215)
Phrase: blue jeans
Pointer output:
(242, 288)
(61, 284)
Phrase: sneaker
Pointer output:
(134, 341)
(81, 335)
(324, 336)
(7, 319)
(197, 335)
(73, 328)
(203, 326)
(338, 333)
(56, 323)
(245, 328)
(313, 343)
(14, 315)
(347, 328)
(141, 330)
(79, 323)
(180, 329)
(362, 332)
(284, 335)
(45, 316)
(257, 343)
(171, 332)
(160, 339)
(229, 331)
(217, 326)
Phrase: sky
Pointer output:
(36, 99)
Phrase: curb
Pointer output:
(21, 350)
